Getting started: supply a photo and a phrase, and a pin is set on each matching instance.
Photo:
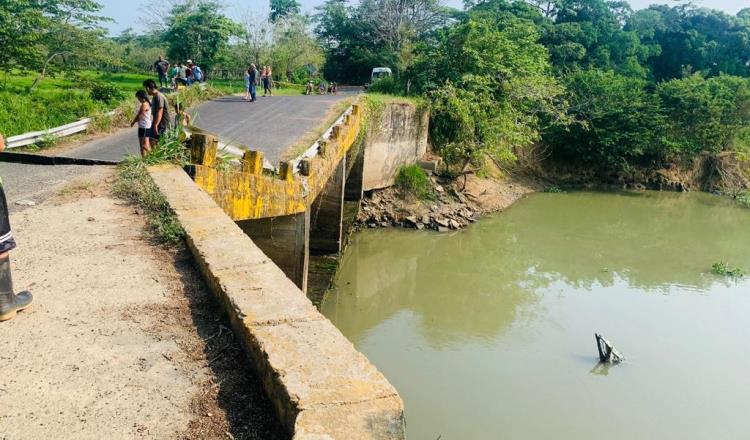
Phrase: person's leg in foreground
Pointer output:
(10, 303)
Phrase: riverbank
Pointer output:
(449, 204)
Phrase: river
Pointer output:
(488, 333)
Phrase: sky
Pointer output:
(130, 14)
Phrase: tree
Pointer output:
(616, 122)
(257, 36)
(197, 29)
(693, 40)
(295, 52)
(590, 34)
(72, 29)
(283, 8)
(706, 114)
(20, 21)
(490, 88)
(375, 33)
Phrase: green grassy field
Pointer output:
(66, 98)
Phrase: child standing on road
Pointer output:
(144, 118)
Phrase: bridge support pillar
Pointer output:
(285, 240)
(326, 214)
(355, 176)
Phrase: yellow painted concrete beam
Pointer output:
(249, 194)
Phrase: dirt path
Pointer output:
(123, 341)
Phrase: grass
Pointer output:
(135, 185)
(743, 198)
(412, 180)
(724, 269)
(65, 98)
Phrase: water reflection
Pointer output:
(487, 330)
(475, 283)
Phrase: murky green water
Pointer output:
(488, 333)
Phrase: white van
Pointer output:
(380, 72)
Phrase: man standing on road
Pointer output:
(159, 110)
(162, 67)
(253, 81)
(10, 303)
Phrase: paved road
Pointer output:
(113, 147)
(270, 125)
(35, 182)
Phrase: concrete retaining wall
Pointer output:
(320, 385)
(399, 139)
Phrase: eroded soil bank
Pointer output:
(123, 340)
(454, 204)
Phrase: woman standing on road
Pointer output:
(144, 118)
(10, 303)
(265, 77)
(247, 84)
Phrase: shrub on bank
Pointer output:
(412, 180)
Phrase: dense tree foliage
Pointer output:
(198, 30)
(374, 33)
(283, 8)
(590, 79)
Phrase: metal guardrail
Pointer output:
(34, 137)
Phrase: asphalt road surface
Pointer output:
(270, 125)
(113, 147)
(35, 183)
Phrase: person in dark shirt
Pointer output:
(253, 72)
(10, 303)
(162, 67)
(159, 109)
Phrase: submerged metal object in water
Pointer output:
(607, 352)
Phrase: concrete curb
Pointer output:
(320, 385)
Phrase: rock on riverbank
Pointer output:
(454, 204)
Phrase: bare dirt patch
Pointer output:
(123, 339)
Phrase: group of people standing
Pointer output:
(185, 74)
(254, 78)
(153, 116)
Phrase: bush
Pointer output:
(412, 180)
(617, 122)
(706, 114)
(106, 93)
(723, 269)
(387, 85)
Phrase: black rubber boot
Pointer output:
(10, 303)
